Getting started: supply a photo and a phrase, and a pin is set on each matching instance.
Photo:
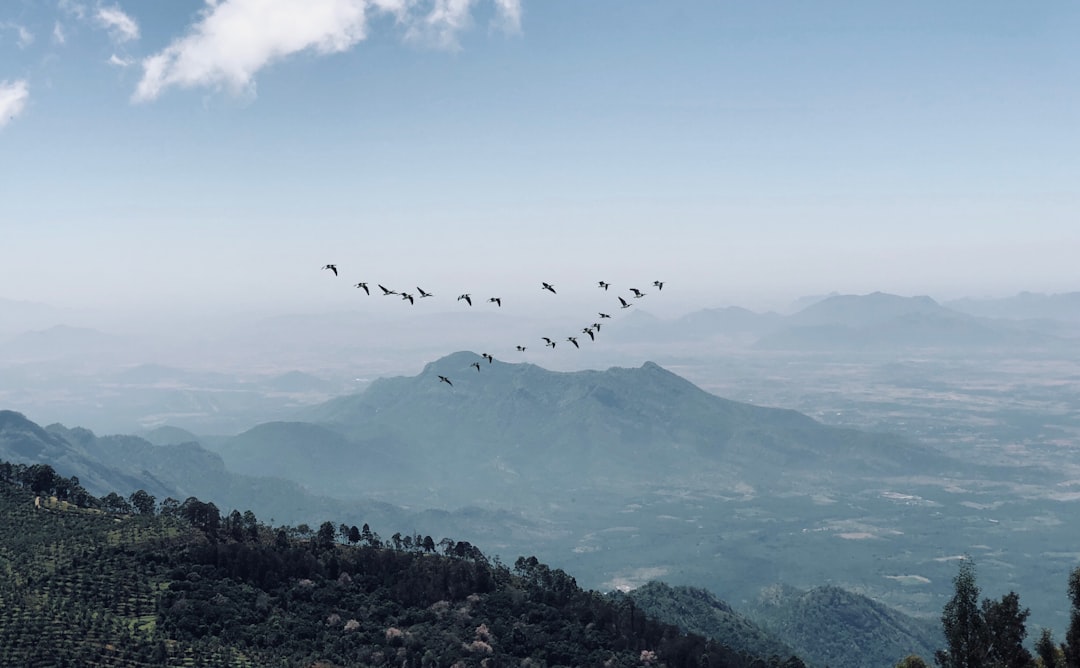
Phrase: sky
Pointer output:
(199, 155)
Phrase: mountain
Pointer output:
(169, 435)
(23, 441)
(513, 429)
(124, 464)
(306, 453)
(1025, 305)
(864, 310)
(834, 627)
(885, 322)
(698, 611)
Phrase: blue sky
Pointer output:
(202, 155)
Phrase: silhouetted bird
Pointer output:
(596, 326)
(467, 298)
(573, 341)
(406, 295)
(477, 365)
(521, 349)
(659, 285)
(332, 267)
(637, 293)
(604, 315)
(364, 286)
(624, 303)
(496, 300)
(547, 286)
(589, 331)
(387, 291)
(489, 358)
(422, 293)
(444, 379)
(550, 343)
(605, 285)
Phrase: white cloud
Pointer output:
(72, 8)
(121, 27)
(26, 38)
(119, 62)
(442, 24)
(237, 38)
(58, 33)
(234, 39)
(508, 15)
(13, 96)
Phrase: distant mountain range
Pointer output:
(1025, 305)
(873, 322)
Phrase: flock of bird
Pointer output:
(591, 329)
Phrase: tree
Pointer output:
(354, 534)
(170, 507)
(911, 661)
(115, 503)
(325, 538)
(963, 624)
(1048, 651)
(142, 502)
(1072, 635)
(1006, 631)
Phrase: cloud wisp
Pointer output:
(234, 39)
(121, 27)
(13, 97)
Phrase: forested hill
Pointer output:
(128, 582)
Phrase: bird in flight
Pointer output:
(364, 286)
(588, 330)
(387, 291)
(332, 267)
(596, 326)
(602, 316)
(624, 303)
(477, 365)
(659, 285)
(550, 343)
(467, 298)
(444, 379)
(605, 285)
(406, 295)
(422, 293)
(573, 341)
(521, 349)
(548, 286)
(489, 358)
(497, 301)
(637, 293)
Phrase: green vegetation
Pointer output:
(125, 582)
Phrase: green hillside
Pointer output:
(191, 586)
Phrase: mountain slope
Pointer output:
(698, 611)
(510, 428)
(835, 627)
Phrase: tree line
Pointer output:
(991, 633)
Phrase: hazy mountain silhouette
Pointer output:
(881, 321)
(1025, 305)
(513, 427)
